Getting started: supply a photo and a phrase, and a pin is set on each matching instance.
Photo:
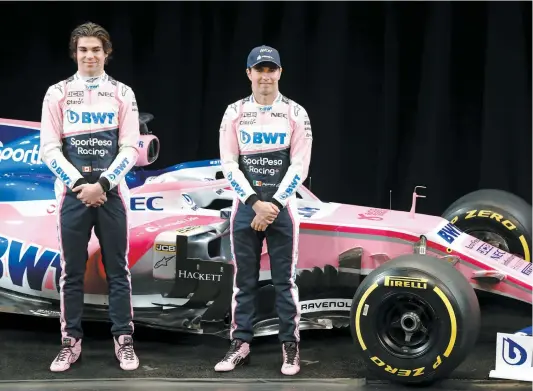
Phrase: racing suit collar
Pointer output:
(266, 107)
(92, 82)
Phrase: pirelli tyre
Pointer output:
(414, 319)
(496, 217)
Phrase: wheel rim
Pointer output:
(407, 325)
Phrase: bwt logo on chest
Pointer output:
(262, 137)
(87, 117)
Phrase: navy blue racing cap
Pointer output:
(263, 54)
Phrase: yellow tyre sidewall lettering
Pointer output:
(498, 217)
(453, 321)
(527, 253)
(412, 372)
(358, 314)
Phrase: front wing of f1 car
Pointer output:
(180, 257)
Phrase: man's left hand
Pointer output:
(89, 193)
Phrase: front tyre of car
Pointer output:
(414, 319)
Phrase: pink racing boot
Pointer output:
(70, 353)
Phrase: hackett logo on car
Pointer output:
(199, 276)
(87, 117)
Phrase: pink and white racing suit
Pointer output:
(89, 134)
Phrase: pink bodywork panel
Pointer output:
(327, 230)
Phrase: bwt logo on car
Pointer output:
(262, 137)
(88, 117)
(20, 154)
(23, 259)
(449, 233)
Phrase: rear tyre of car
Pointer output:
(496, 217)
(414, 319)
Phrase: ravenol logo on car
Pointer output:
(262, 137)
(87, 117)
(27, 261)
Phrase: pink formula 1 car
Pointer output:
(405, 283)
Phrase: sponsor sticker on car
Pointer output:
(513, 357)
(165, 248)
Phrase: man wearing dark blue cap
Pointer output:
(265, 149)
(263, 55)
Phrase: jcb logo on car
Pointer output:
(406, 282)
(165, 248)
(487, 214)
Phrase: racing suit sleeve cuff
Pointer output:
(79, 182)
(252, 200)
(277, 203)
(104, 182)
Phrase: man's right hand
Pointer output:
(266, 210)
(99, 202)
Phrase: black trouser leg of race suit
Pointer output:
(75, 222)
(282, 243)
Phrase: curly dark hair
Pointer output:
(90, 29)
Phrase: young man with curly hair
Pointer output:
(89, 138)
